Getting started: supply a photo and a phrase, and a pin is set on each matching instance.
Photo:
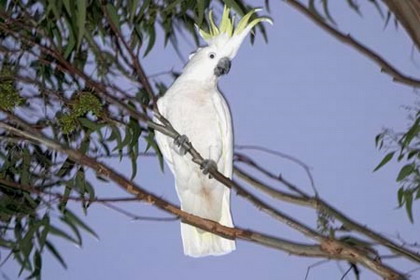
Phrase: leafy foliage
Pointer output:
(61, 64)
(69, 67)
(9, 96)
(405, 148)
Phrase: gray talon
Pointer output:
(208, 165)
(183, 143)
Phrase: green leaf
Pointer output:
(67, 6)
(150, 139)
(68, 188)
(412, 154)
(172, 5)
(327, 11)
(80, 180)
(81, 20)
(354, 6)
(26, 245)
(378, 8)
(133, 157)
(24, 265)
(405, 171)
(25, 176)
(84, 145)
(73, 227)
(133, 148)
(408, 196)
(90, 124)
(125, 142)
(90, 190)
(60, 233)
(66, 168)
(379, 140)
(55, 253)
(113, 15)
(201, 5)
(411, 133)
(37, 260)
(135, 131)
(400, 196)
(384, 161)
(152, 39)
(133, 8)
(42, 238)
(116, 135)
(235, 5)
(71, 44)
(3, 5)
(388, 17)
(400, 156)
(72, 217)
(146, 4)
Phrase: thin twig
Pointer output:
(137, 217)
(347, 39)
(314, 265)
(345, 273)
(250, 162)
(108, 202)
(282, 155)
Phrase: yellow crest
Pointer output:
(227, 24)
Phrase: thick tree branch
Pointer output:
(321, 205)
(328, 247)
(347, 39)
(145, 196)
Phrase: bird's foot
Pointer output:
(183, 143)
(207, 166)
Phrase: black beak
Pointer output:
(223, 67)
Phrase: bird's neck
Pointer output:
(209, 83)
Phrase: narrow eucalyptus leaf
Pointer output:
(74, 218)
(60, 233)
(81, 20)
(405, 171)
(384, 161)
(55, 253)
(408, 196)
(113, 15)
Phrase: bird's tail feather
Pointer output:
(200, 243)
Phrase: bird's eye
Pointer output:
(212, 55)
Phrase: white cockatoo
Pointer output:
(197, 110)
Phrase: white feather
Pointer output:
(203, 116)
(196, 108)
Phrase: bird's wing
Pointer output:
(163, 141)
(225, 121)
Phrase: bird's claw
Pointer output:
(207, 166)
(183, 143)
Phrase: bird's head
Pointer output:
(223, 42)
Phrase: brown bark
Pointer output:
(408, 14)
